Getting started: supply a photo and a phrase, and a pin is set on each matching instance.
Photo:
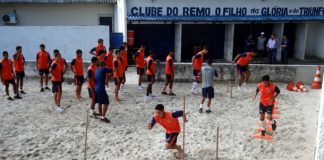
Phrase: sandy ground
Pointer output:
(31, 130)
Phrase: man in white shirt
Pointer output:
(272, 49)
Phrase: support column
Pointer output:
(278, 29)
(121, 18)
(300, 41)
(229, 42)
(177, 42)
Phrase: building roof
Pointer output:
(225, 18)
(58, 1)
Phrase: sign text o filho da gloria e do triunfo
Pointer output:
(226, 11)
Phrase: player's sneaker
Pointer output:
(59, 109)
(42, 89)
(147, 98)
(274, 125)
(47, 88)
(208, 111)
(17, 97)
(10, 98)
(140, 87)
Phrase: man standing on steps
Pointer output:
(169, 121)
(207, 73)
(43, 61)
(197, 61)
(140, 63)
(269, 93)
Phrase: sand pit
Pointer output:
(31, 130)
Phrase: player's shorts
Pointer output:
(9, 81)
(56, 86)
(102, 97)
(196, 73)
(43, 71)
(20, 74)
(78, 80)
(241, 69)
(208, 92)
(92, 94)
(150, 78)
(265, 109)
(168, 77)
(171, 138)
(140, 71)
(120, 80)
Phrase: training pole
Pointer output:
(217, 141)
(184, 127)
(86, 136)
(229, 82)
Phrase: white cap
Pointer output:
(262, 32)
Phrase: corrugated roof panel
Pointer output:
(225, 18)
(58, 1)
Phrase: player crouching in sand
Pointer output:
(169, 121)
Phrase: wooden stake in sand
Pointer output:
(86, 136)
(229, 82)
(217, 142)
(184, 126)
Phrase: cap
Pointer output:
(262, 32)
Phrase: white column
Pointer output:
(300, 41)
(278, 29)
(177, 42)
(121, 20)
(229, 42)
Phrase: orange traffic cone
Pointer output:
(316, 84)
(301, 86)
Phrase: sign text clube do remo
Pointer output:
(226, 11)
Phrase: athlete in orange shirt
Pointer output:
(63, 64)
(109, 58)
(140, 63)
(243, 60)
(118, 72)
(56, 72)
(91, 85)
(19, 61)
(77, 69)
(169, 73)
(43, 61)
(7, 75)
(197, 61)
(100, 46)
(269, 93)
(124, 60)
(150, 73)
(169, 121)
